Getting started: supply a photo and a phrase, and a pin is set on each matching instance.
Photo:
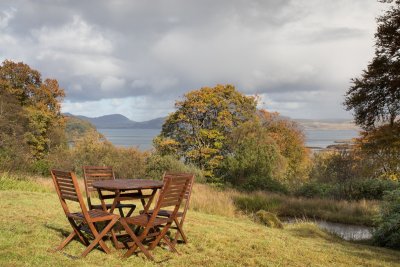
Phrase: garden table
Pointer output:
(127, 189)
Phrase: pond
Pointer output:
(345, 231)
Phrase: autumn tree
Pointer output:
(255, 162)
(375, 99)
(197, 131)
(290, 140)
(35, 117)
(375, 96)
(267, 151)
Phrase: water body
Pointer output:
(345, 231)
(142, 138)
(324, 138)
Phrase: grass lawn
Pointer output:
(33, 223)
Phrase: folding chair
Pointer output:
(95, 173)
(154, 226)
(180, 216)
(85, 221)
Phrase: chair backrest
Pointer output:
(95, 173)
(191, 181)
(173, 192)
(67, 188)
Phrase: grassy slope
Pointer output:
(33, 222)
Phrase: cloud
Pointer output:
(76, 36)
(111, 83)
(137, 54)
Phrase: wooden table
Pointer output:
(126, 189)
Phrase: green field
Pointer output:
(33, 223)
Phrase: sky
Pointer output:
(136, 57)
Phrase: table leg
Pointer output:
(103, 203)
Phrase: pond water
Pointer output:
(345, 231)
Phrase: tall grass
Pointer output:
(211, 200)
(230, 203)
(360, 212)
(21, 182)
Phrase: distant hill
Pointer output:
(118, 121)
(75, 127)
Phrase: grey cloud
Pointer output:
(334, 34)
(161, 49)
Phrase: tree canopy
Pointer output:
(198, 129)
(375, 96)
(29, 109)
(267, 152)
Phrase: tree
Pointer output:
(197, 131)
(379, 150)
(291, 142)
(38, 109)
(267, 150)
(255, 162)
(375, 96)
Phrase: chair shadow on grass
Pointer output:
(65, 233)
(61, 231)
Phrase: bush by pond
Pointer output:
(351, 190)
(387, 233)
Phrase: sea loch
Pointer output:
(142, 138)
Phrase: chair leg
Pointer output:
(99, 236)
(180, 232)
(170, 244)
(137, 243)
(77, 230)
(161, 235)
(66, 241)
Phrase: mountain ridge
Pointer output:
(118, 121)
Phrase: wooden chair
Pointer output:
(95, 173)
(154, 226)
(181, 215)
(84, 221)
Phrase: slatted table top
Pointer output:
(127, 184)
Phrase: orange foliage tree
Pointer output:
(40, 123)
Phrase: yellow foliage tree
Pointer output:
(198, 129)
(39, 100)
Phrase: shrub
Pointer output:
(313, 189)
(350, 190)
(334, 166)
(362, 189)
(269, 219)
(255, 163)
(257, 201)
(41, 167)
(387, 233)
(157, 164)
(93, 149)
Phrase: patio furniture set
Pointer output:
(143, 231)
